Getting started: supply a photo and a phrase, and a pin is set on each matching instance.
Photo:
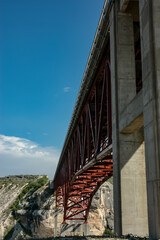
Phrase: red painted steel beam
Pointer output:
(87, 161)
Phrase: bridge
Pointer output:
(115, 125)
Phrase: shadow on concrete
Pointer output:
(72, 227)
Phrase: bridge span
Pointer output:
(115, 125)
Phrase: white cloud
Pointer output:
(66, 89)
(22, 156)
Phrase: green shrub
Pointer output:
(108, 232)
(28, 190)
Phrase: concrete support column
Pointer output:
(123, 91)
(55, 222)
(150, 44)
(74, 228)
(130, 204)
(133, 184)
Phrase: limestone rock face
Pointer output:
(37, 214)
(100, 216)
(43, 221)
(101, 213)
(8, 194)
(10, 189)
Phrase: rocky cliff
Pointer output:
(27, 208)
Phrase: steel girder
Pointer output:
(87, 162)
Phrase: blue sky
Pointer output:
(44, 47)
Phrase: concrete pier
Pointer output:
(55, 222)
(130, 196)
(75, 228)
(136, 118)
(150, 42)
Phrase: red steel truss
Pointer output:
(87, 162)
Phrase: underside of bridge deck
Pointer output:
(87, 162)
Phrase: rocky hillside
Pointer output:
(27, 208)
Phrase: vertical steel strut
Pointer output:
(87, 162)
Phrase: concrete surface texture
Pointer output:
(136, 118)
(150, 42)
(74, 228)
(129, 152)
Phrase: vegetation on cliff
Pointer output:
(17, 192)
(27, 192)
(28, 209)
